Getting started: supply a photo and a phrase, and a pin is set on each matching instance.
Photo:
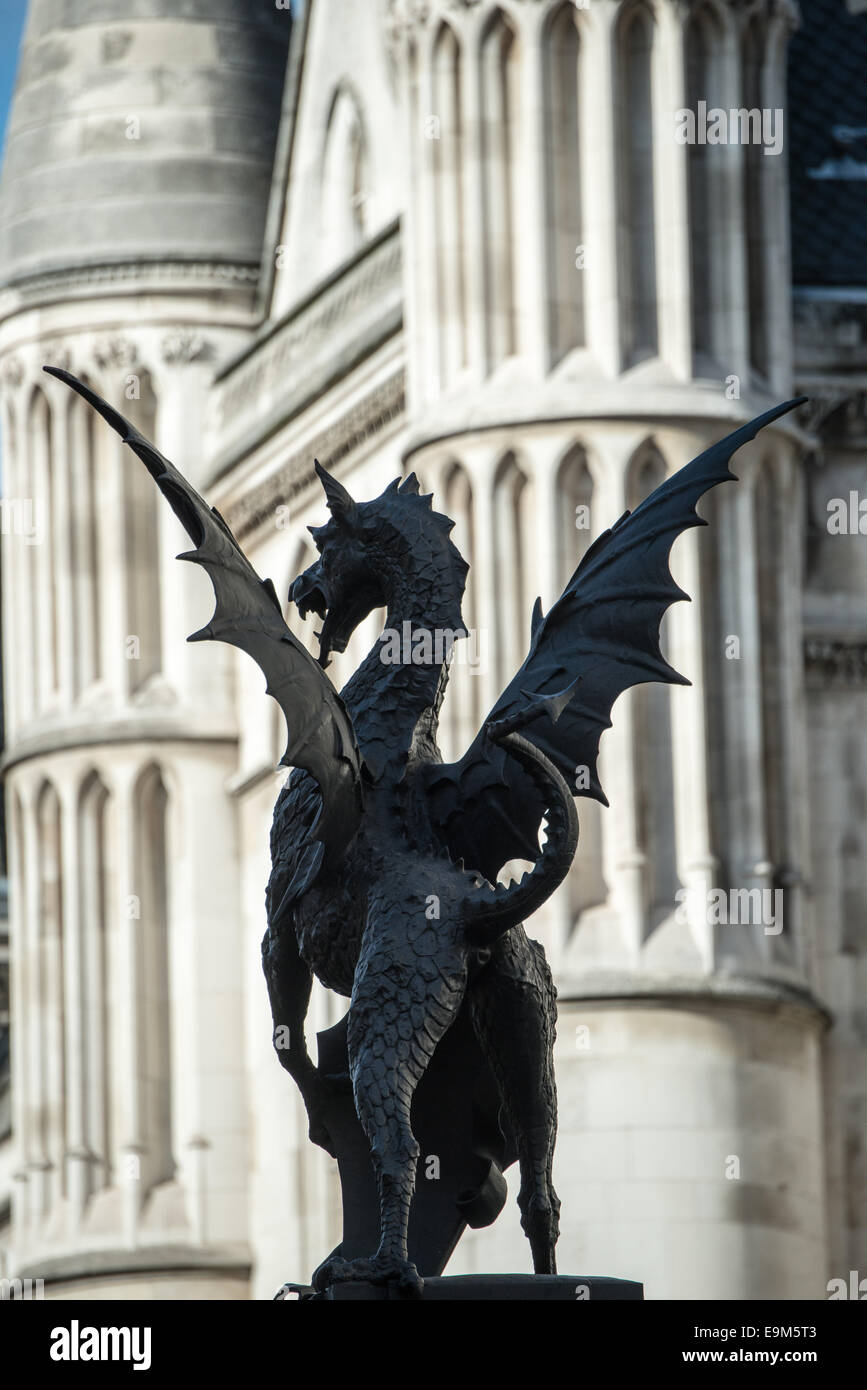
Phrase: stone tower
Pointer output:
(590, 302)
(132, 208)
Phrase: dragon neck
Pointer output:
(395, 695)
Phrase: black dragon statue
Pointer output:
(385, 860)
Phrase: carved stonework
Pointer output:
(835, 662)
(402, 16)
(368, 418)
(192, 275)
(57, 355)
(115, 353)
(184, 345)
(291, 352)
(11, 372)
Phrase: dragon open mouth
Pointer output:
(309, 596)
(341, 613)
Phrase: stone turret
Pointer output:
(591, 301)
(132, 211)
(139, 132)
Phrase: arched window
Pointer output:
(84, 545)
(574, 518)
(448, 157)
(43, 557)
(654, 769)
(513, 512)
(636, 200)
(755, 167)
(141, 522)
(563, 168)
(154, 986)
(574, 528)
(97, 998)
(770, 533)
(463, 700)
(344, 182)
(706, 165)
(16, 573)
(51, 1123)
(500, 109)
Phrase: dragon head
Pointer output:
(367, 552)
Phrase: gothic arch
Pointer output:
(753, 42)
(770, 538)
(462, 707)
(653, 759)
(499, 71)
(707, 179)
(153, 995)
(561, 48)
(142, 536)
(97, 897)
(345, 178)
(44, 596)
(51, 1121)
(513, 548)
(573, 502)
(635, 41)
(448, 160)
(86, 604)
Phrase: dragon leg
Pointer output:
(513, 1010)
(290, 981)
(401, 1008)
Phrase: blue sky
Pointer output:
(12, 14)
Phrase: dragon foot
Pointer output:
(379, 1269)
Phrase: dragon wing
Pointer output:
(599, 638)
(247, 615)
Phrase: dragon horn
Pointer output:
(340, 504)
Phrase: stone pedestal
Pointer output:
(484, 1288)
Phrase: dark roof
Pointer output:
(827, 133)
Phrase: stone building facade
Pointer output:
(460, 238)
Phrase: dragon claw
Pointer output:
(390, 1270)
